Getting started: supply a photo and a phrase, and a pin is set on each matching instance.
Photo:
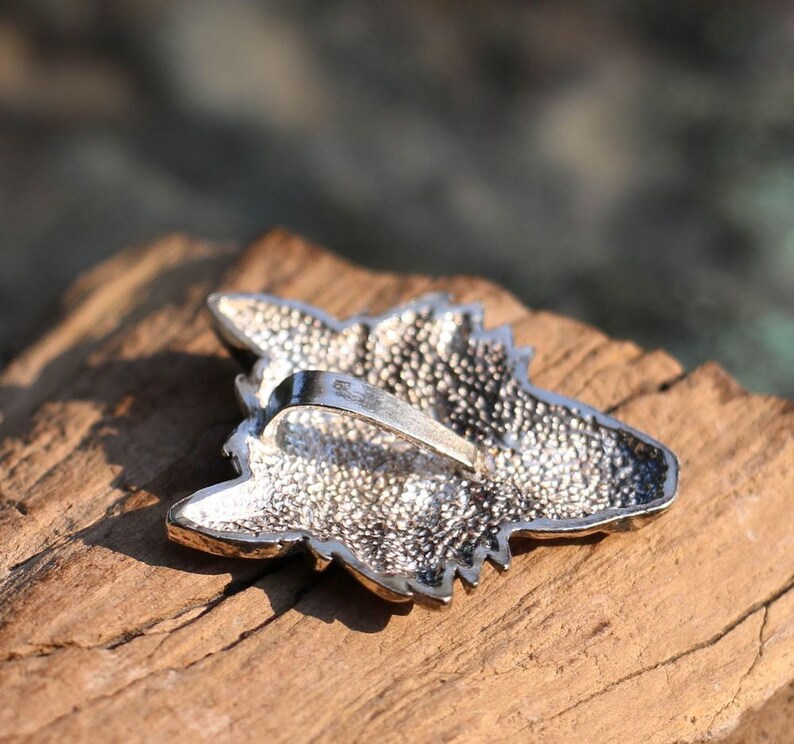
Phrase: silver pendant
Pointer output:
(410, 447)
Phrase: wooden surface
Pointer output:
(678, 632)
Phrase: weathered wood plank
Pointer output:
(673, 633)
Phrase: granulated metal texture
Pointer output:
(403, 520)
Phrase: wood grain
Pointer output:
(677, 632)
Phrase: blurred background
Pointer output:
(628, 162)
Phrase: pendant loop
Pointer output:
(351, 396)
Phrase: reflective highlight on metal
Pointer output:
(410, 447)
(353, 397)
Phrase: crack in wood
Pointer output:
(297, 597)
(753, 664)
(662, 387)
(396, 671)
(755, 607)
(234, 587)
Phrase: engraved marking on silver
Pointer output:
(352, 397)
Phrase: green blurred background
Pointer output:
(627, 162)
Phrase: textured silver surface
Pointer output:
(405, 521)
